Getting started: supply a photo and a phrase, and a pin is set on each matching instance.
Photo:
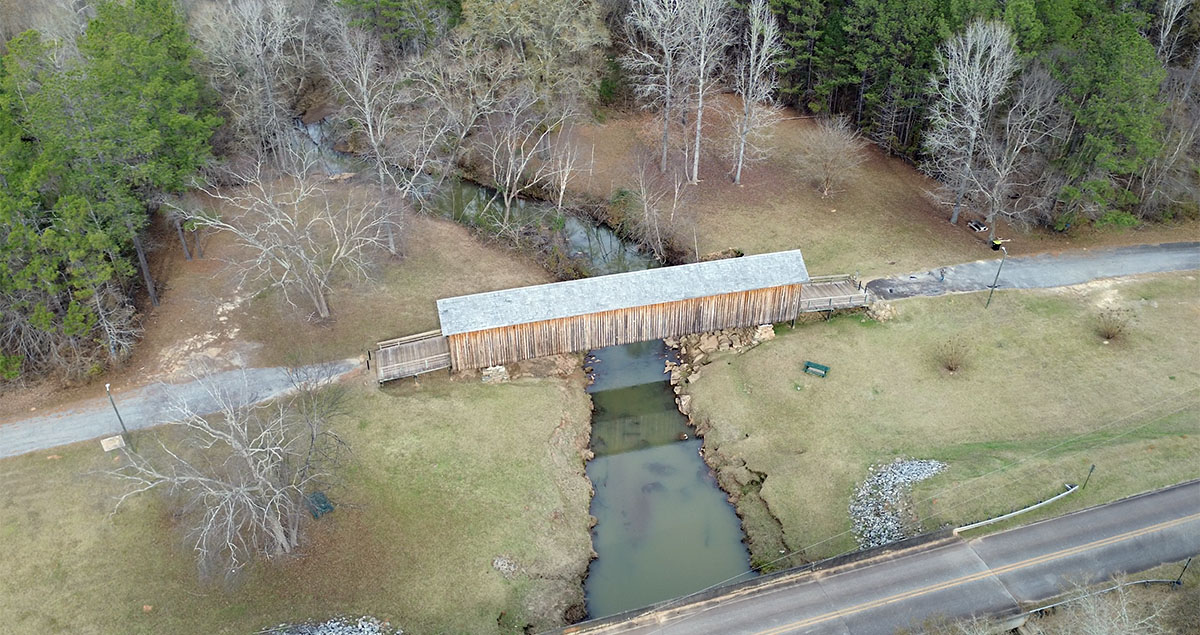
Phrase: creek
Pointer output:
(664, 528)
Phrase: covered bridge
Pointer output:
(487, 329)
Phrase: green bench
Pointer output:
(813, 368)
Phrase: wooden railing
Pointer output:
(834, 302)
(411, 355)
(827, 293)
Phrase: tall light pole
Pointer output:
(996, 282)
(124, 431)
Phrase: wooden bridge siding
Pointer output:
(490, 347)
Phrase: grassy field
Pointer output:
(442, 259)
(447, 476)
(1039, 389)
(881, 222)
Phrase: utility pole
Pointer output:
(996, 282)
(1089, 476)
(124, 431)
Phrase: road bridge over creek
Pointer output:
(883, 590)
(500, 327)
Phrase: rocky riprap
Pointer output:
(365, 625)
(881, 504)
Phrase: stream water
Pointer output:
(467, 202)
(664, 528)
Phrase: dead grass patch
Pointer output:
(442, 259)
(447, 475)
(882, 222)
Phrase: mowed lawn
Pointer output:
(1040, 389)
(446, 477)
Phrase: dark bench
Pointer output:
(813, 368)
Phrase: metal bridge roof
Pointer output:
(464, 314)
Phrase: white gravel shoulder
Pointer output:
(880, 505)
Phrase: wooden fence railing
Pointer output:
(809, 305)
(411, 355)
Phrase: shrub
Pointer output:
(952, 354)
(1112, 323)
(10, 367)
(1117, 218)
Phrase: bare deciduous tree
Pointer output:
(567, 162)
(754, 81)
(556, 43)
(658, 59)
(1017, 147)
(257, 56)
(660, 200)
(1109, 610)
(243, 474)
(972, 75)
(447, 93)
(514, 136)
(354, 64)
(709, 33)
(298, 234)
(832, 154)
(1169, 28)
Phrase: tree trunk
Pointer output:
(199, 248)
(141, 254)
(321, 302)
(699, 121)
(741, 157)
(391, 237)
(666, 138)
(182, 240)
(743, 132)
(962, 182)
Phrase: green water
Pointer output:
(664, 527)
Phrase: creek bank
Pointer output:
(663, 528)
(764, 535)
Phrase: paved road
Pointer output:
(146, 406)
(993, 575)
(1044, 270)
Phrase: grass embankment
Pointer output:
(880, 222)
(446, 476)
(1039, 388)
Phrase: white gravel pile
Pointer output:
(365, 625)
(880, 503)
